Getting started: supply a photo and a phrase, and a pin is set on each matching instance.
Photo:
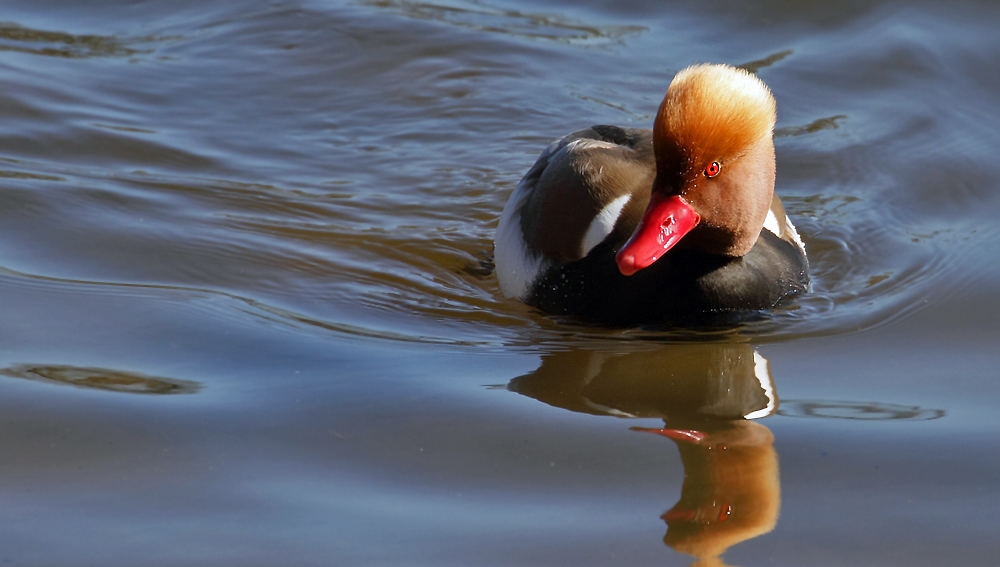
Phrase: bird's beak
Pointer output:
(666, 221)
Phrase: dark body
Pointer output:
(685, 284)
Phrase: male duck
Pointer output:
(625, 226)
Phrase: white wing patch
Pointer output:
(603, 224)
(516, 267)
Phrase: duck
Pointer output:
(677, 223)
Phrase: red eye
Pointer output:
(713, 169)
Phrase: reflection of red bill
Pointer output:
(665, 222)
(676, 514)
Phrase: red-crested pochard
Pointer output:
(624, 225)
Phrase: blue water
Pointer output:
(247, 314)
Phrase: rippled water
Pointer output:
(249, 317)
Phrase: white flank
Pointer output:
(603, 224)
(516, 266)
(763, 373)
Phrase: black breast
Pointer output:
(683, 287)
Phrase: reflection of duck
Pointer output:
(731, 490)
(713, 237)
(703, 392)
(729, 381)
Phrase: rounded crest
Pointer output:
(714, 112)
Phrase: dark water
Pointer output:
(247, 314)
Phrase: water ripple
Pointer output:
(480, 16)
(17, 38)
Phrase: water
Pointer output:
(247, 313)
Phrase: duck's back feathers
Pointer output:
(584, 187)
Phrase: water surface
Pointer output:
(248, 315)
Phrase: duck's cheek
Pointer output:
(666, 221)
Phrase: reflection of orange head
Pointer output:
(731, 491)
